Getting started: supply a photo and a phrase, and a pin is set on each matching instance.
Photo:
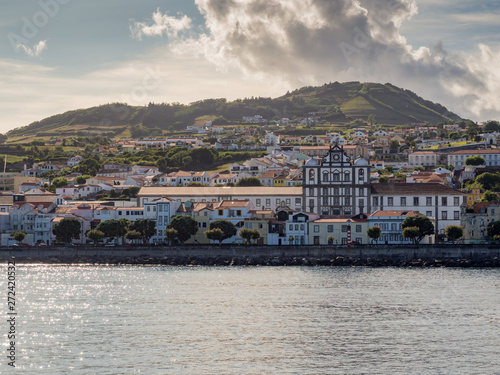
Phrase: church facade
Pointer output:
(336, 185)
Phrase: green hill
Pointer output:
(337, 103)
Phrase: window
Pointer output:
(330, 228)
(311, 175)
(403, 201)
(290, 226)
(416, 201)
(394, 227)
(344, 228)
(336, 176)
(390, 201)
(296, 226)
(288, 202)
(278, 201)
(257, 202)
(297, 201)
(347, 191)
(444, 215)
(428, 201)
(325, 176)
(325, 201)
(325, 191)
(456, 215)
(316, 228)
(221, 212)
(456, 201)
(160, 208)
(204, 224)
(335, 191)
(311, 191)
(268, 202)
(347, 201)
(428, 213)
(361, 202)
(361, 192)
(336, 201)
(444, 201)
(347, 176)
(375, 201)
(238, 212)
(358, 228)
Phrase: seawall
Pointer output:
(378, 255)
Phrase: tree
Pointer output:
(95, 235)
(19, 236)
(133, 235)
(67, 229)
(374, 233)
(185, 226)
(228, 229)
(475, 160)
(80, 180)
(383, 180)
(411, 232)
(194, 184)
(124, 224)
(110, 228)
(215, 234)
(255, 235)
(89, 165)
(249, 181)
(146, 227)
(60, 182)
(423, 223)
(453, 232)
(170, 235)
(490, 196)
(249, 234)
(491, 126)
(494, 229)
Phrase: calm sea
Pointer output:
(259, 320)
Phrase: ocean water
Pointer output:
(256, 320)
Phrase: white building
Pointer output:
(260, 196)
(457, 158)
(423, 159)
(432, 200)
(390, 223)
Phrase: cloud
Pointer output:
(161, 24)
(303, 42)
(36, 50)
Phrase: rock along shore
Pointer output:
(325, 256)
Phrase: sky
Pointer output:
(60, 55)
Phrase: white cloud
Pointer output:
(36, 50)
(304, 42)
(161, 24)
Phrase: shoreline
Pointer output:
(462, 256)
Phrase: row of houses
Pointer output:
(36, 215)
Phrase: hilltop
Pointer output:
(336, 103)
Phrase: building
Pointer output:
(475, 223)
(336, 185)
(432, 200)
(261, 197)
(423, 159)
(457, 158)
(390, 223)
(320, 230)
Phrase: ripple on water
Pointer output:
(157, 320)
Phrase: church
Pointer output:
(336, 185)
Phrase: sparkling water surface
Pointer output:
(257, 320)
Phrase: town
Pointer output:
(420, 184)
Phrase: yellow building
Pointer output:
(474, 196)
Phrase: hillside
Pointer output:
(339, 103)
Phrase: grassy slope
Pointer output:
(389, 104)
